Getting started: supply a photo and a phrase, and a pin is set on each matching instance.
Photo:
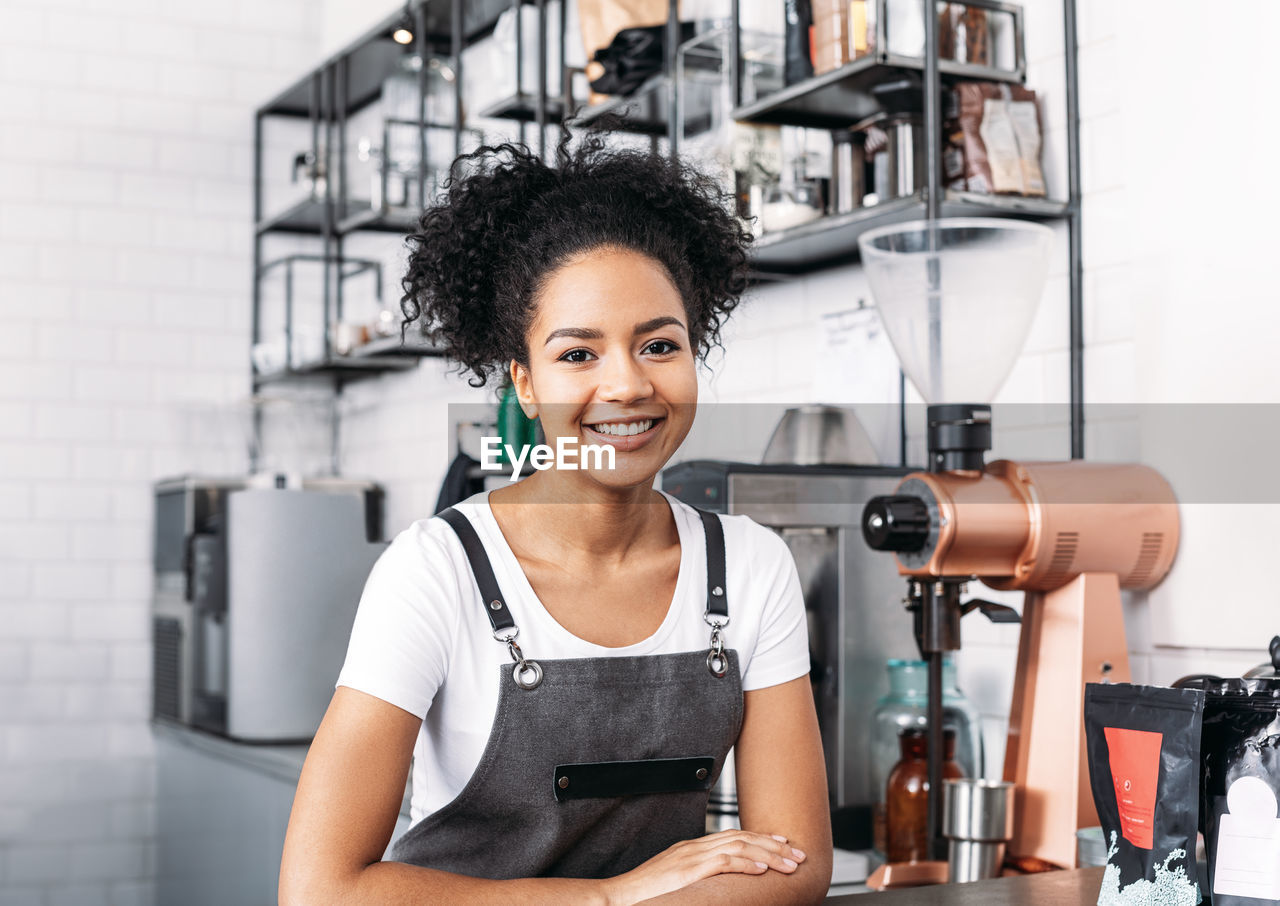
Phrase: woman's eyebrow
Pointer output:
(655, 323)
(591, 333)
(578, 333)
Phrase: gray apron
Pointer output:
(593, 765)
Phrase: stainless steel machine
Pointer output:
(255, 593)
(851, 595)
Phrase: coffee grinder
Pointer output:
(957, 298)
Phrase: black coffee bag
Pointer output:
(1240, 790)
(1144, 769)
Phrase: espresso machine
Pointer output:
(849, 593)
(957, 298)
(256, 587)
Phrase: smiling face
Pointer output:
(611, 363)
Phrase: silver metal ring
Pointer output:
(520, 670)
(717, 663)
(506, 634)
(716, 621)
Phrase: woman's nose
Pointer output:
(623, 380)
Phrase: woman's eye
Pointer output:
(661, 347)
(575, 355)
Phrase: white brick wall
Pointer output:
(125, 257)
(125, 207)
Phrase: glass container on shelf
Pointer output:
(980, 34)
(384, 170)
(795, 199)
(291, 329)
(781, 46)
(745, 157)
(490, 82)
(903, 708)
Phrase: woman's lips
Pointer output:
(623, 443)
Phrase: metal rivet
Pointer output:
(701, 774)
(717, 591)
(563, 783)
(495, 604)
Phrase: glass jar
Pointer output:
(907, 794)
(905, 708)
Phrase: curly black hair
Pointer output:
(480, 255)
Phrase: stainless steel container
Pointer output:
(977, 820)
(820, 435)
(1091, 847)
(255, 593)
(847, 172)
(895, 146)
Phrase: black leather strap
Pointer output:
(607, 779)
(717, 588)
(494, 603)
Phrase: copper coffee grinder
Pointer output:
(1069, 534)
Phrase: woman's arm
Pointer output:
(782, 789)
(345, 811)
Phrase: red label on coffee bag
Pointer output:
(1135, 771)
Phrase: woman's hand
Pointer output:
(689, 861)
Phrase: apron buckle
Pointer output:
(527, 674)
(717, 663)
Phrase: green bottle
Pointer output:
(515, 428)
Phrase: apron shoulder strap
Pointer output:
(481, 568)
(496, 605)
(717, 587)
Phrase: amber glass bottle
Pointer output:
(907, 795)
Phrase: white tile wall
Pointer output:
(124, 256)
(124, 251)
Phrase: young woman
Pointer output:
(568, 659)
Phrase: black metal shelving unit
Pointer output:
(351, 80)
(843, 96)
(326, 98)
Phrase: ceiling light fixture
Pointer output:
(403, 33)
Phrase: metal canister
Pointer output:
(895, 146)
(977, 820)
(847, 171)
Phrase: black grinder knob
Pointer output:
(895, 522)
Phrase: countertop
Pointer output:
(282, 762)
(1078, 887)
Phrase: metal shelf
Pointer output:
(393, 348)
(833, 240)
(374, 54)
(305, 217)
(524, 107)
(395, 220)
(843, 96)
(339, 366)
(644, 111)
(381, 355)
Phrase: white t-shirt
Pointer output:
(423, 642)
